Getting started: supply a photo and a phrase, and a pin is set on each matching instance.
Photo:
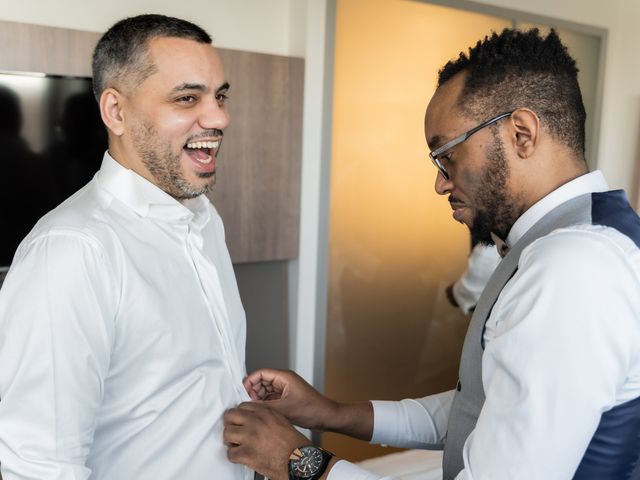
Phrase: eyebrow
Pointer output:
(436, 141)
(199, 87)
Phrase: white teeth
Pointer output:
(203, 144)
(206, 160)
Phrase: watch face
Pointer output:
(309, 463)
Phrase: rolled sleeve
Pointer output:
(412, 423)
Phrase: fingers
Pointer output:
(239, 454)
(255, 394)
(267, 384)
(260, 437)
(239, 414)
(232, 435)
(263, 391)
(243, 454)
(264, 374)
(234, 416)
(240, 424)
(255, 386)
(248, 413)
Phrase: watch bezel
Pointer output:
(308, 451)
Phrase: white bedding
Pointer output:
(409, 465)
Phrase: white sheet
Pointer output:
(409, 465)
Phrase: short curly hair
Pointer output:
(516, 69)
(121, 55)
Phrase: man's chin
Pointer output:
(211, 175)
(202, 182)
(205, 183)
(486, 242)
(480, 233)
(193, 189)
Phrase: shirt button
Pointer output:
(459, 386)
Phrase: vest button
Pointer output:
(458, 386)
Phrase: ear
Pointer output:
(111, 103)
(526, 125)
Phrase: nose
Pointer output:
(214, 114)
(443, 186)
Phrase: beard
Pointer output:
(495, 212)
(164, 165)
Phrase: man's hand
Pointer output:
(304, 406)
(261, 438)
(450, 296)
(289, 394)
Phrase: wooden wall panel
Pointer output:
(258, 186)
(258, 189)
(56, 51)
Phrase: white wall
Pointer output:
(620, 121)
(253, 25)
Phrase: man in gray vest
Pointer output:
(549, 382)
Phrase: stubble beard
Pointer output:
(496, 212)
(164, 165)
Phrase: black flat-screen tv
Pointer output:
(51, 144)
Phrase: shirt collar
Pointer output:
(146, 199)
(587, 183)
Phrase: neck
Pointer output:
(551, 173)
(128, 159)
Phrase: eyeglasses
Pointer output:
(434, 154)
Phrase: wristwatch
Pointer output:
(308, 463)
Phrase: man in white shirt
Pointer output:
(122, 334)
(549, 384)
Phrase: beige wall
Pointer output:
(619, 133)
(393, 246)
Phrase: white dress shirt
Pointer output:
(562, 347)
(481, 263)
(122, 339)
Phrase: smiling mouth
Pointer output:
(203, 152)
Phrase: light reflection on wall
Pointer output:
(30, 90)
(393, 244)
(40, 103)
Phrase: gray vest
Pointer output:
(469, 398)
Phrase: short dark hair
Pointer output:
(518, 69)
(122, 51)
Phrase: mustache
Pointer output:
(214, 132)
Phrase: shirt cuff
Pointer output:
(465, 297)
(468, 288)
(405, 424)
